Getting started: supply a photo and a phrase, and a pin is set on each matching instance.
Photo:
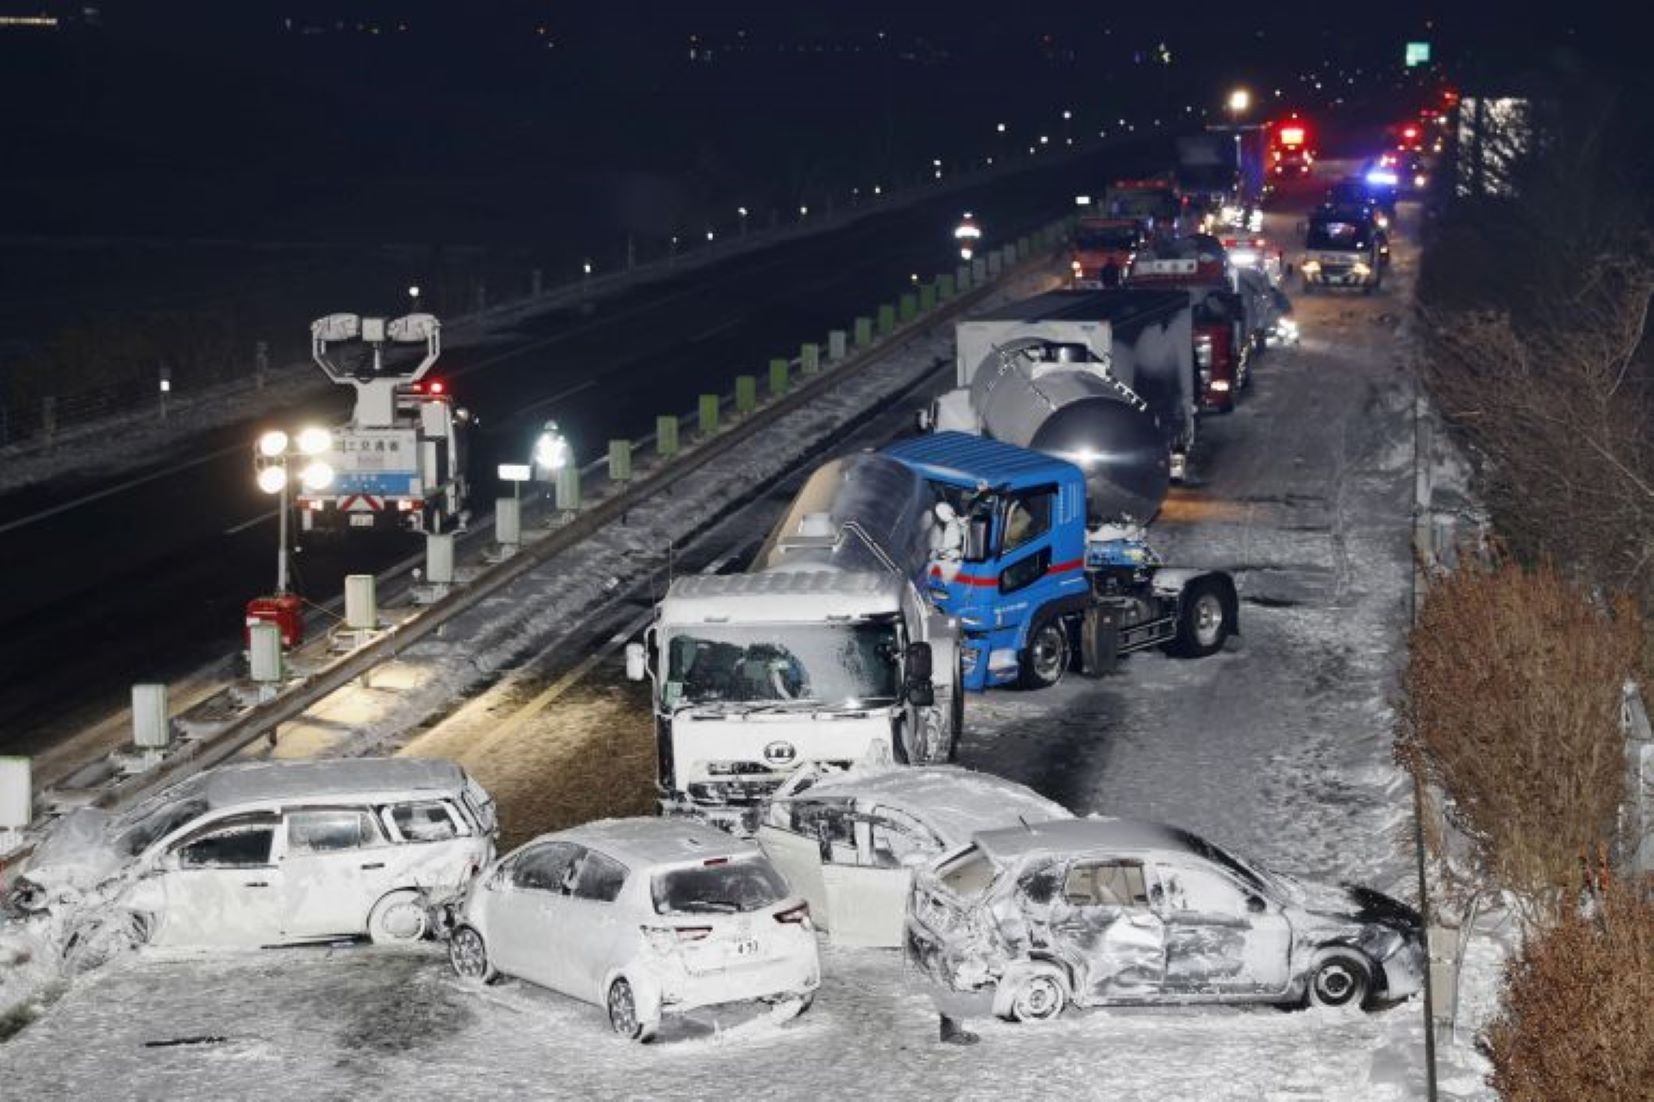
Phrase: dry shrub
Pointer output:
(1578, 1015)
(1511, 709)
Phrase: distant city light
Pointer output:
(1001, 128)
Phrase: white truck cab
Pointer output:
(755, 675)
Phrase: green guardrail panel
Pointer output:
(746, 394)
(666, 435)
(708, 419)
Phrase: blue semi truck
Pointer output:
(1037, 581)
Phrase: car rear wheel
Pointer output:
(1039, 997)
(468, 953)
(1341, 979)
(399, 919)
(623, 1013)
(1045, 659)
(94, 943)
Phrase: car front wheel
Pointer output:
(468, 953)
(1340, 980)
(399, 919)
(1039, 997)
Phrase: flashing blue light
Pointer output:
(1382, 177)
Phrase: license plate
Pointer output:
(361, 520)
(747, 947)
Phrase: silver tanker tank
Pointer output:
(863, 513)
(1103, 379)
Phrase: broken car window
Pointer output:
(238, 845)
(1202, 891)
(827, 664)
(968, 875)
(1106, 884)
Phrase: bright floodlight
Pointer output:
(1067, 115)
(1001, 128)
(413, 290)
(551, 451)
(272, 479)
(315, 440)
(742, 211)
(272, 443)
(1239, 100)
(317, 475)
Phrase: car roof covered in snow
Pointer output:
(955, 802)
(642, 842)
(1084, 835)
(308, 780)
(773, 597)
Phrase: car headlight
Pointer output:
(1360, 269)
(1312, 266)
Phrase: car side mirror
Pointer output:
(637, 662)
(918, 661)
(1256, 905)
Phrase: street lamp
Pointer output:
(413, 297)
(1239, 101)
(803, 212)
(742, 211)
(274, 452)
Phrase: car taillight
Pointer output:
(795, 916)
(664, 939)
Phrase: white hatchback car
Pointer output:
(643, 917)
(263, 854)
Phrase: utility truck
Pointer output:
(1049, 567)
(400, 461)
(826, 652)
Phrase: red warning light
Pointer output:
(436, 388)
(1292, 135)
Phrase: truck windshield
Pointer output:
(1336, 235)
(824, 665)
(1142, 204)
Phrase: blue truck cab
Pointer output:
(1033, 586)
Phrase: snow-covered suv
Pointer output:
(262, 854)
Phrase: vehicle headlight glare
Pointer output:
(316, 475)
(272, 479)
(272, 443)
(315, 440)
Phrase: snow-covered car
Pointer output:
(263, 854)
(644, 917)
(848, 842)
(1094, 912)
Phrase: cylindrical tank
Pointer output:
(886, 502)
(1082, 416)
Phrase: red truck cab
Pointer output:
(1222, 352)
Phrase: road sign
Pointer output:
(1418, 53)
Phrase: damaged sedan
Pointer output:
(261, 854)
(643, 917)
(1095, 912)
(848, 842)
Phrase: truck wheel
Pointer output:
(1045, 658)
(1205, 619)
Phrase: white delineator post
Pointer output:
(439, 558)
(16, 801)
(151, 727)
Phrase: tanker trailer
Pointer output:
(1103, 379)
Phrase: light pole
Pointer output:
(585, 277)
(742, 211)
(1239, 101)
(275, 450)
(413, 298)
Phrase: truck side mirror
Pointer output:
(637, 662)
(924, 420)
(976, 539)
(918, 662)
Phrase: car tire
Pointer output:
(1046, 657)
(1040, 995)
(468, 955)
(791, 1006)
(400, 918)
(94, 943)
(1341, 979)
(623, 1013)
(1205, 619)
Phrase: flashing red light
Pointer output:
(1410, 132)
(436, 388)
(1292, 135)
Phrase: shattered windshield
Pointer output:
(781, 665)
(147, 825)
(720, 886)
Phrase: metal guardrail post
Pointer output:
(746, 394)
(887, 319)
(864, 332)
(666, 435)
(781, 374)
(945, 284)
(979, 270)
(48, 417)
(837, 345)
(927, 297)
(996, 261)
(809, 358)
(708, 420)
(907, 307)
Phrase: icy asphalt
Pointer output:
(1278, 747)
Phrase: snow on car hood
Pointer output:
(78, 854)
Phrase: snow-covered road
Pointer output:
(1278, 747)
